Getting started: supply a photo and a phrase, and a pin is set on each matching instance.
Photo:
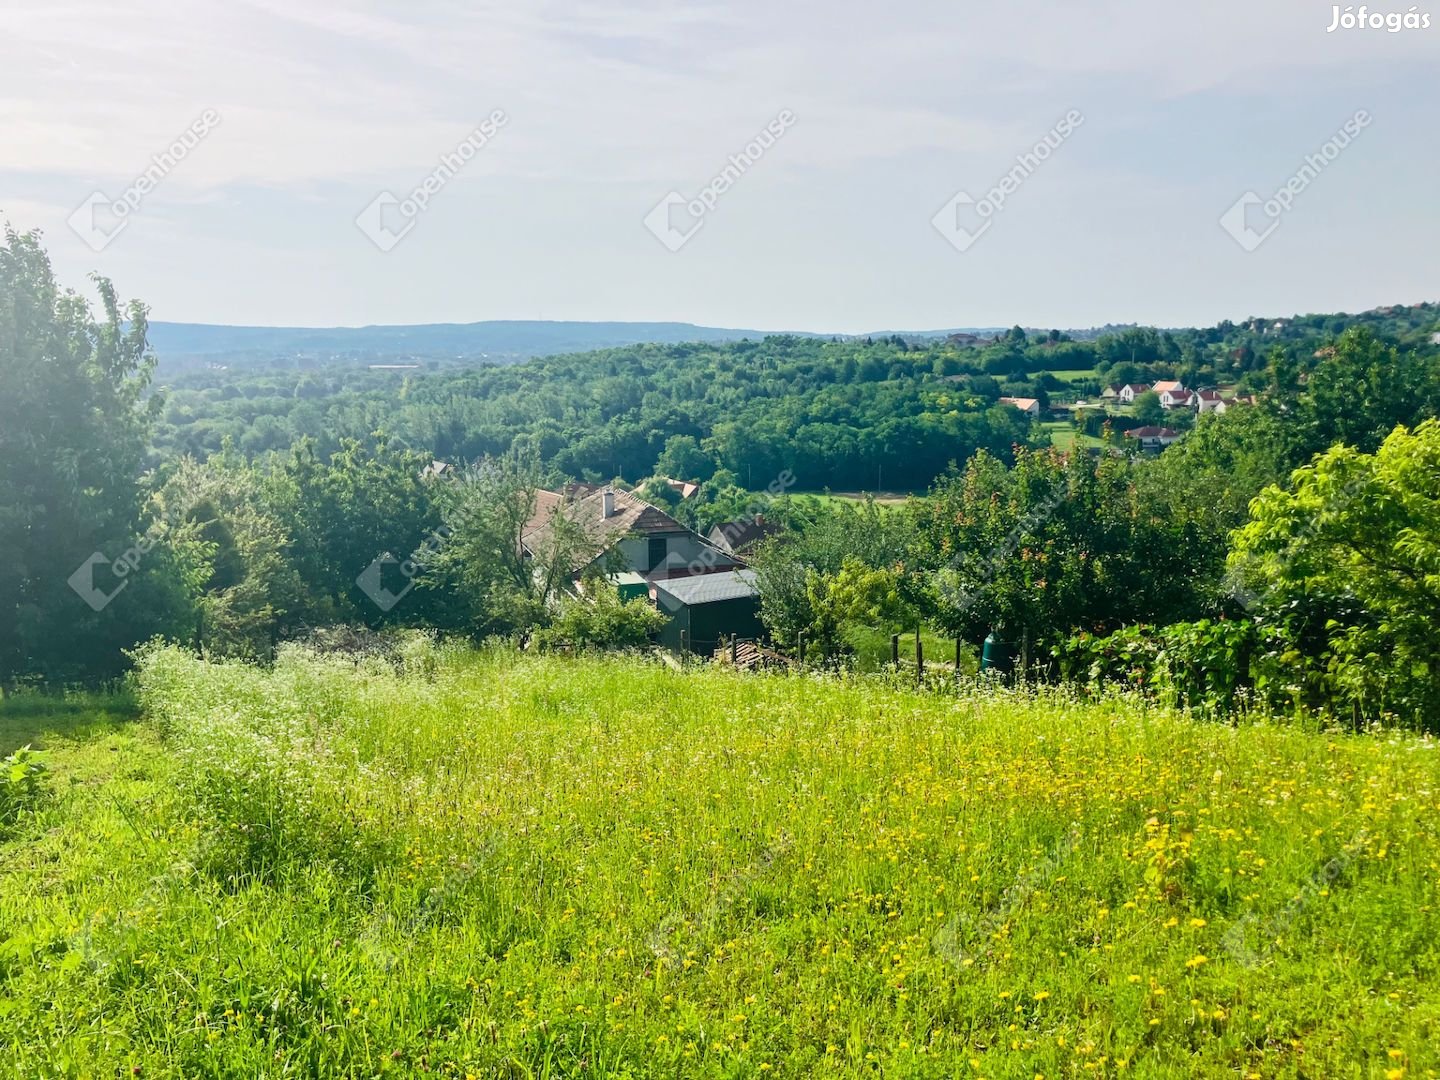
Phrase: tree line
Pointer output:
(232, 512)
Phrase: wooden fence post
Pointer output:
(957, 656)
(735, 651)
(895, 651)
(919, 659)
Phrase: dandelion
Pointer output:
(1041, 995)
(1197, 960)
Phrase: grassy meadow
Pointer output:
(448, 863)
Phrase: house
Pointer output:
(705, 591)
(1167, 384)
(1153, 438)
(1239, 399)
(650, 542)
(1176, 398)
(1028, 405)
(706, 609)
(1130, 391)
(1111, 392)
(1435, 338)
(1207, 401)
(683, 488)
(741, 536)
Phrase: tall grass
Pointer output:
(488, 864)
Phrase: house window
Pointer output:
(657, 551)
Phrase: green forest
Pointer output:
(1285, 551)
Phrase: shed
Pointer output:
(705, 608)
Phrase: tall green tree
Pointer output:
(73, 429)
(1342, 569)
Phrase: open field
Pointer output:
(494, 865)
(882, 498)
(1064, 435)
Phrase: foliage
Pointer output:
(601, 620)
(481, 555)
(73, 430)
(1206, 666)
(1147, 408)
(1056, 543)
(21, 784)
(1344, 570)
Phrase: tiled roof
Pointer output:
(743, 534)
(632, 514)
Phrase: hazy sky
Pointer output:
(608, 107)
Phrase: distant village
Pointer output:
(1119, 400)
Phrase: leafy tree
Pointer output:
(1147, 408)
(683, 459)
(344, 510)
(487, 554)
(231, 553)
(73, 429)
(1343, 571)
(1058, 542)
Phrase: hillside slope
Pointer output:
(489, 865)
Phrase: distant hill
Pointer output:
(505, 341)
(181, 345)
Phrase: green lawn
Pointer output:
(1064, 435)
(506, 866)
(1074, 376)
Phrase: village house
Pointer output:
(1177, 399)
(742, 536)
(655, 554)
(1153, 438)
(1130, 391)
(1028, 405)
(650, 542)
(1207, 401)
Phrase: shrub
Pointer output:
(1206, 666)
(602, 621)
(21, 784)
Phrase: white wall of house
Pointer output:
(681, 550)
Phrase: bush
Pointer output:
(602, 621)
(1206, 666)
(21, 784)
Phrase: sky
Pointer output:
(301, 130)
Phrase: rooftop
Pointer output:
(710, 588)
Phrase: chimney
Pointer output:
(607, 503)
